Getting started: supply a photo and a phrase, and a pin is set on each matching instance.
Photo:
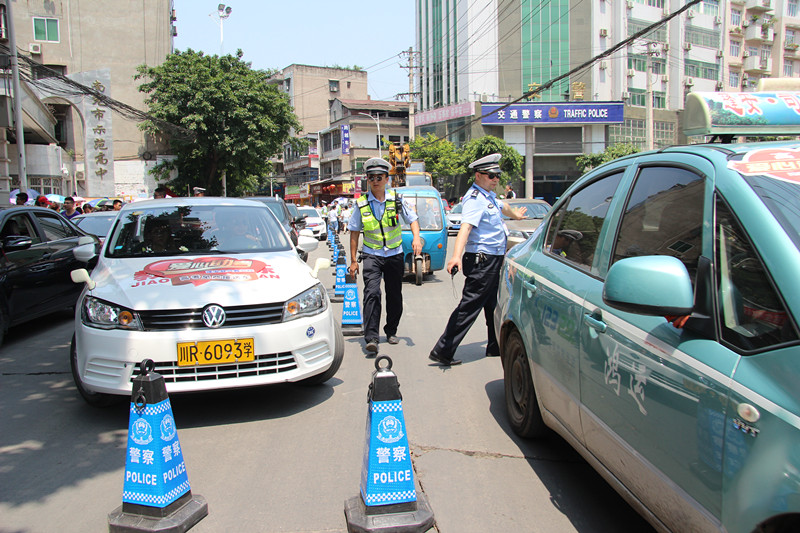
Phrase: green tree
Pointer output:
(235, 119)
(440, 156)
(587, 162)
(512, 162)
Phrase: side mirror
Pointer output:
(656, 285)
(81, 275)
(16, 242)
(320, 264)
(307, 243)
(86, 249)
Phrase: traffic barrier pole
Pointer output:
(156, 495)
(352, 321)
(389, 501)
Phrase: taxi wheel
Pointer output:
(95, 399)
(419, 273)
(338, 355)
(521, 405)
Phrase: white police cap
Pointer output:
(488, 164)
(376, 165)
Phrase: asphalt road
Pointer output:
(285, 458)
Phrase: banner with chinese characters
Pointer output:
(553, 113)
(99, 156)
(742, 113)
(345, 139)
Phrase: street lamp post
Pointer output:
(378, 124)
(222, 13)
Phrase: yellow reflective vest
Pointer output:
(384, 232)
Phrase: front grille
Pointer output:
(274, 363)
(243, 315)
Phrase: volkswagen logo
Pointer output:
(213, 316)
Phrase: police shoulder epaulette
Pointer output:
(475, 193)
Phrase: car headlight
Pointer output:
(308, 303)
(104, 315)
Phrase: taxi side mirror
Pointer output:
(81, 275)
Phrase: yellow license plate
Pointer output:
(215, 352)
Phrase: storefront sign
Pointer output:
(553, 113)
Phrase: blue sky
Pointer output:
(273, 35)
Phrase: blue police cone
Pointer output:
(389, 501)
(352, 322)
(156, 495)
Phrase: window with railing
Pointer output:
(791, 8)
(710, 7)
(736, 48)
(734, 79)
(701, 69)
(788, 69)
(790, 36)
(639, 63)
(639, 98)
(636, 25)
(702, 37)
(736, 17)
(633, 131)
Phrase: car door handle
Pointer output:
(595, 323)
(529, 285)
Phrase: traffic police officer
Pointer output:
(483, 235)
(377, 216)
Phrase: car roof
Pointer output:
(190, 201)
(426, 190)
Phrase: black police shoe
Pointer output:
(434, 356)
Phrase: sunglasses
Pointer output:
(377, 177)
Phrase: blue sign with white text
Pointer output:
(351, 310)
(341, 272)
(345, 139)
(530, 114)
(155, 474)
(387, 476)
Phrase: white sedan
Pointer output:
(315, 223)
(210, 289)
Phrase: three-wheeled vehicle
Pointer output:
(427, 202)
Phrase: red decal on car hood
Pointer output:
(200, 270)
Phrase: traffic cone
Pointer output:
(156, 495)
(338, 285)
(352, 322)
(389, 500)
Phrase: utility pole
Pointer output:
(12, 45)
(648, 120)
(411, 94)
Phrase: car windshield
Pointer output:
(782, 198)
(456, 209)
(205, 229)
(428, 210)
(309, 212)
(532, 210)
(96, 225)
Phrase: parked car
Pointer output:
(298, 221)
(519, 230)
(314, 222)
(281, 212)
(36, 259)
(454, 219)
(213, 292)
(97, 223)
(652, 321)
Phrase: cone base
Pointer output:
(352, 330)
(183, 519)
(361, 519)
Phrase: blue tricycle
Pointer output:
(427, 202)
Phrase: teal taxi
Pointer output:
(652, 321)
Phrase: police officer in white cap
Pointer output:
(482, 240)
(199, 191)
(377, 216)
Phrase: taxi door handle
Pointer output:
(530, 286)
(595, 323)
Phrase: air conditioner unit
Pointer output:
(717, 20)
(664, 78)
(625, 95)
(630, 4)
(746, 53)
(631, 73)
(35, 48)
(689, 81)
(690, 14)
(720, 53)
(603, 32)
(665, 47)
(719, 86)
(603, 65)
(687, 46)
(666, 10)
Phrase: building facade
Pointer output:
(480, 53)
(97, 44)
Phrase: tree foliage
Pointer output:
(237, 119)
(440, 155)
(587, 162)
(512, 162)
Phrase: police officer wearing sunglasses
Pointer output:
(376, 216)
(482, 240)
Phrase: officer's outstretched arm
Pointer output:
(353, 268)
(416, 242)
(458, 248)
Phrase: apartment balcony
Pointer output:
(755, 64)
(791, 50)
(759, 5)
(759, 32)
